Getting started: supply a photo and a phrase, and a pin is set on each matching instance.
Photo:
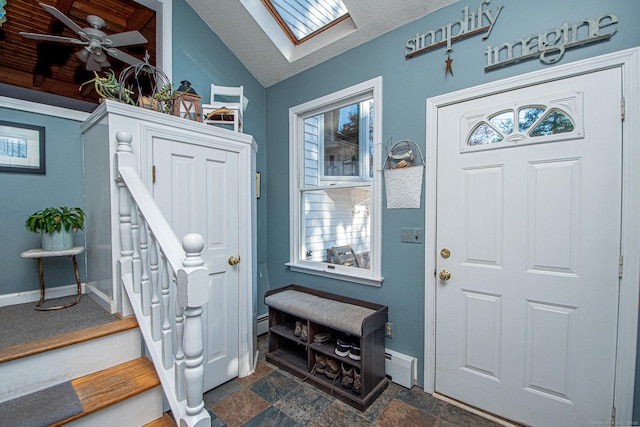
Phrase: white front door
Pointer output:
(526, 324)
(197, 189)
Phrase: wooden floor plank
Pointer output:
(115, 384)
(165, 421)
(46, 344)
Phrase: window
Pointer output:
(334, 186)
(303, 19)
(539, 121)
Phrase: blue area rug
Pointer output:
(41, 408)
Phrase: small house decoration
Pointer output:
(403, 172)
(186, 103)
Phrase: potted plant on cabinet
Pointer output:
(57, 226)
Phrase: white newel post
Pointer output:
(124, 158)
(192, 295)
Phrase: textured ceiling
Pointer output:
(264, 49)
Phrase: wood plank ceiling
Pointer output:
(53, 67)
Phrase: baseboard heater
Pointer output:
(402, 369)
(262, 324)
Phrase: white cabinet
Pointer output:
(203, 179)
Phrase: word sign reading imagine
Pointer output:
(551, 45)
(471, 24)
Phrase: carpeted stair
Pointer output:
(93, 376)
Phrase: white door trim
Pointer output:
(629, 62)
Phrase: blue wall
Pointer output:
(406, 86)
(23, 194)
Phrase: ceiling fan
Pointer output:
(94, 40)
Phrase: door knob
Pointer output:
(233, 260)
(444, 275)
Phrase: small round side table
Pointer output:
(38, 254)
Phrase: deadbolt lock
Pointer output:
(445, 253)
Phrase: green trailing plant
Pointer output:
(108, 87)
(50, 220)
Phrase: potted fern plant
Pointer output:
(56, 226)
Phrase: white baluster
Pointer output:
(179, 356)
(124, 210)
(135, 238)
(192, 294)
(167, 334)
(145, 283)
(156, 312)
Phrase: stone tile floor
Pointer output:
(273, 397)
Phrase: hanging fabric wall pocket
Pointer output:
(403, 175)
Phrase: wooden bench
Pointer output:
(358, 321)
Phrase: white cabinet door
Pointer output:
(196, 188)
(526, 325)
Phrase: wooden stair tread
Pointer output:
(164, 421)
(110, 386)
(59, 341)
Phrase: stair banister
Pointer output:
(146, 237)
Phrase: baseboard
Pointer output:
(263, 324)
(100, 298)
(34, 296)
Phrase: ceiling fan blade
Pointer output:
(52, 38)
(124, 57)
(124, 39)
(64, 19)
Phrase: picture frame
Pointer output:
(22, 148)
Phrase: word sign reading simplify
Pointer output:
(471, 24)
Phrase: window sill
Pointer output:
(334, 271)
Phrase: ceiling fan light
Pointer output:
(83, 54)
(99, 55)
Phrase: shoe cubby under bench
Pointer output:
(292, 347)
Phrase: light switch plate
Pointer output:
(411, 235)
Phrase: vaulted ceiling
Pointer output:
(245, 26)
(248, 29)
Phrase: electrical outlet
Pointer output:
(411, 235)
(388, 330)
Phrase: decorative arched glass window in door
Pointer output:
(530, 123)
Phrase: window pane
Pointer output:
(337, 217)
(554, 122)
(484, 134)
(338, 145)
(304, 17)
(341, 141)
(503, 121)
(527, 117)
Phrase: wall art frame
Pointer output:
(22, 148)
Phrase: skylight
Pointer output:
(303, 19)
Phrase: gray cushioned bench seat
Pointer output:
(334, 314)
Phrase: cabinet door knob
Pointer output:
(233, 260)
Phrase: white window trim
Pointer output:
(297, 115)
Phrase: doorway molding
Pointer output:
(629, 286)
